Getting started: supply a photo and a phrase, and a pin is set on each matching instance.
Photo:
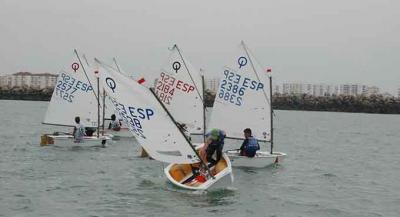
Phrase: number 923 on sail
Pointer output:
(234, 86)
(68, 85)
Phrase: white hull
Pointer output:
(261, 159)
(64, 140)
(123, 133)
(222, 179)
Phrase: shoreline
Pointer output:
(374, 104)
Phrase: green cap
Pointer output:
(214, 134)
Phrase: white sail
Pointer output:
(179, 87)
(242, 100)
(73, 96)
(147, 119)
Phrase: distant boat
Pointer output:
(157, 131)
(244, 101)
(74, 96)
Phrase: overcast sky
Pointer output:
(314, 41)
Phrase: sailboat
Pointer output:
(179, 88)
(74, 96)
(158, 133)
(244, 101)
(109, 110)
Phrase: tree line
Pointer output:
(336, 103)
(26, 94)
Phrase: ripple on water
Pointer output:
(337, 165)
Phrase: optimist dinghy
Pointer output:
(244, 101)
(155, 128)
(73, 96)
(181, 175)
(123, 132)
(261, 159)
(65, 139)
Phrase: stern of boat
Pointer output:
(262, 159)
(177, 174)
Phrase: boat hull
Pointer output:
(223, 176)
(68, 140)
(123, 133)
(262, 159)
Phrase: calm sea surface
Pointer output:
(339, 164)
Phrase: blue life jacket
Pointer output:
(251, 147)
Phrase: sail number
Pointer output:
(133, 116)
(166, 86)
(234, 86)
(68, 85)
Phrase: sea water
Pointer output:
(338, 164)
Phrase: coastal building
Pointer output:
(276, 89)
(28, 80)
(372, 90)
(353, 89)
(327, 89)
(310, 89)
(292, 88)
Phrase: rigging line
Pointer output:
(255, 71)
(61, 125)
(104, 65)
(259, 63)
(116, 64)
(84, 57)
(190, 75)
(80, 61)
(180, 130)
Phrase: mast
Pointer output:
(180, 130)
(265, 95)
(271, 114)
(98, 107)
(104, 109)
(204, 111)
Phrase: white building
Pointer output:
(372, 90)
(292, 88)
(310, 89)
(353, 89)
(276, 89)
(328, 89)
(28, 80)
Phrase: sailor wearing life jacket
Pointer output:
(214, 144)
(250, 144)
